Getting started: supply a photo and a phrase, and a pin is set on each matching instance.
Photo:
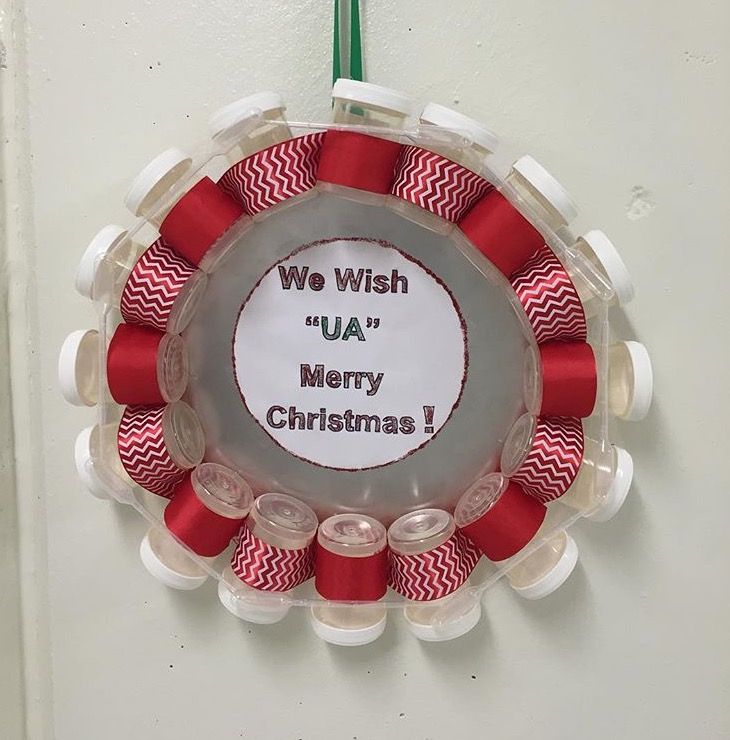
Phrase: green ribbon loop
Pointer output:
(351, 42)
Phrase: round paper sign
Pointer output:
(350, 354)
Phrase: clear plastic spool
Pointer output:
(239, 119)
(439, 123)
(630, 380)
(420, 531)
(172, 367)
(187, 302)
(78, 367)
(283, 521)
(366, 104)
(517, 444)
(222, 490)
(479, 499)
(184, 436)
(106, 240)
(603, 256)
(539, 188)
(532, 380)
(155, 182)
(352, 535)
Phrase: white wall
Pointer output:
(627, 103)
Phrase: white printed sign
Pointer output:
(350, 354)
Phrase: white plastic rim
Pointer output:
(233, 115)
(78, 367)
(256, 614)
(85, 465)
(643, 374)
(555, 577)
(103, 242)
(166, 575)
(377, 95)
(167, 168)
(623, 474)
(614, 267)
(545, 184)
(440, 115)
(347, 637)
(447, 630)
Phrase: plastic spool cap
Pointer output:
(377, 95)
(619, 488)
(166, 575)
(448, 630)
(239, 111)
(440, 115)
(556, 577)
(85, 466)
(255, 613)
(643, 374)
(78, 367)
(348, 637)
(614, 267)
(170, 165)
(545, 184)
(104, 241)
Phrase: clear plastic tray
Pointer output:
(212, 161)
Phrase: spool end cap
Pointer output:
(554, 578)
(619, 488)
(165, 574)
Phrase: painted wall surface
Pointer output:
(626, 103)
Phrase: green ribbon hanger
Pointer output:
(352, 44)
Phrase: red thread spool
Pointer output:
(560, 379)
(159, 444)
(429, 558)
(264, 566)
(198, 220)
(437, 184)
(356, 160)
(498, 516)
(291, 171)
(501, 233)
(163, 290)
(207, 508)
(275, 551)
(145, 366)
(351, 558)
(549, 299)
(544, 454)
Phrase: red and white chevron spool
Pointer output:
(436, 573)
(554, 458)
(273, 175)
(549, 298)
(142, 450)
(437, 184)
(153, 286)
(267, 568)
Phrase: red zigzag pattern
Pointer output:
(141, 443)
(275, 174)
(437, 184)
(550, 299)
(268, 568)
(436, 573)
(153, 286)
(554, 459)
